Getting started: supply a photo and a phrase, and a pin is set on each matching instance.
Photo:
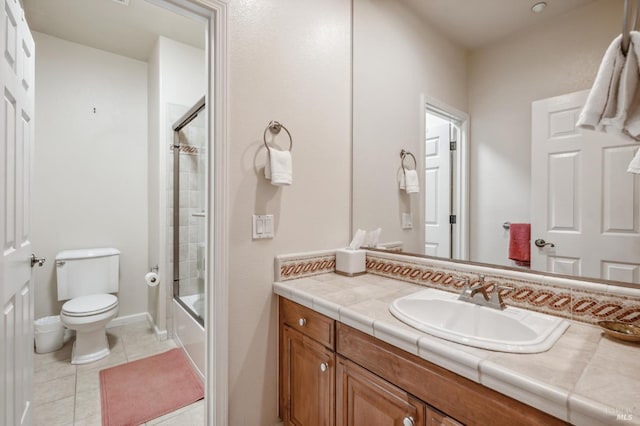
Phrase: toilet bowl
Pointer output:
(89, 316)
(85, 279)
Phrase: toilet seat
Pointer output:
(93, 304)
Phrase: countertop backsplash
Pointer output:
(575, 299)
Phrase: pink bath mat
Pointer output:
(148, 388)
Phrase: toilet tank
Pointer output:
(87, 271)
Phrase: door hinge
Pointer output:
(452, 219)
(453, 145)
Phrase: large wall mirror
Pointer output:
(501, 80)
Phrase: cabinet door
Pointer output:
(308, 379)
(364, 399)
(436, 418)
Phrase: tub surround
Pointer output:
(584, 378)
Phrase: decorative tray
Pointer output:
(621, 330)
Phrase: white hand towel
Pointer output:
(401, 178)
(411, 183)
(634, 165)
(602, 101)
(279, 167)
(629, 85)
(626, 118)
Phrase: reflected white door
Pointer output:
(583, 200)
(437, 192)
(16, 290)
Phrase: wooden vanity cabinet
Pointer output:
(307, 366)
(462, 399)
(332, 374)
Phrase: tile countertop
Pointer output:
(585, 378)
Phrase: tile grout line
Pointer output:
(75, 395)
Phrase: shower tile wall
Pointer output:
(192, 201)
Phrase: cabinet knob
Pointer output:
(408, 421)
(324, 367)
(302, 322)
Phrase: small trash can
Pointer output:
(49, 334)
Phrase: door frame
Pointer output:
(460, 167)
(215, 14)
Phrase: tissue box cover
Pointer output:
(351, 262)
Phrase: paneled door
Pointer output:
(585, 206)
(16, 289)
(437, 192)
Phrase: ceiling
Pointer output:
(132, 30)
(108, 25)
(475, 23)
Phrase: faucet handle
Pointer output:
(496, 298)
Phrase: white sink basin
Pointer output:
(515, 330)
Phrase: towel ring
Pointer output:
(403, 155)
(274, 127)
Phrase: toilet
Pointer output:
(86, 277)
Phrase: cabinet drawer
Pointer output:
(308, 322)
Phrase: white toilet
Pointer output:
(85, 279)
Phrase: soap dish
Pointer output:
(621, 330)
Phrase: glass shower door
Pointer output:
(189, 215)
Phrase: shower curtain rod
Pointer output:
(189, 115)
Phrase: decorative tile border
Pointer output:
(572, 299)
(186, 149)
(528, 291)
(291, 267)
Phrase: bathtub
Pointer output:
(188, 333)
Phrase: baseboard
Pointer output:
(160, 334)
(127, 319)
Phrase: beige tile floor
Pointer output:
(68, 395)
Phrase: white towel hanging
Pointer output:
(279, 167)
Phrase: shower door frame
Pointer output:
(180, 124)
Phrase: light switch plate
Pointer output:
(406, 221)
(262, 226)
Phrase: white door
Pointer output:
(16, 290)
(437, 192)
(583, 200)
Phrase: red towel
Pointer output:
(519, 243)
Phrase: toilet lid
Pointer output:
(89, 305)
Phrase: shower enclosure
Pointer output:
(188, 212)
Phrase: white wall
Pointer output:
(176, 76)
(556, 58)
(396, 58)
(288, 61)
(90, 180)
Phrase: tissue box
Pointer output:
(351, 262)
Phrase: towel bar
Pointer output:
(403, 155)
(274, 127)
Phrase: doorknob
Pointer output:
(37, 260)
(541, 243)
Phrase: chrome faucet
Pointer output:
(477, 293)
